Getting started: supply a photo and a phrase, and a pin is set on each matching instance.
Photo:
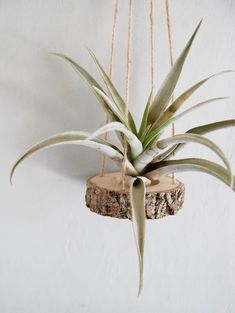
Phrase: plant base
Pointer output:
(105, 196)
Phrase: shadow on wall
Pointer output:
(59, 101)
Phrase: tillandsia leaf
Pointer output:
(110, 86)
(146, 157)
(154, 153)
(164, 94)
(129, 180)
(132, 123)
(164, 155)
(137, 198)
(144, 122)
(154, 134)
(203, 129)
(196, 106)
(174, 107)
(192, 164)
(195, 138)
(114, 93)
(145, 133)
(135, 144)
(77, 138)
(112, 107)
(90, 81)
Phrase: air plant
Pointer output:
(148, 155)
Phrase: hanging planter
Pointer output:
(142, 188)
(105, 196)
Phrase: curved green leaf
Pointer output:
(163, 96)
(164, 155)
(90, 81)
(192, 164)
(131, 122)
(112, 106)
(174, 107)
(207, 128)
(109, 84)
(196, 106)
(137, 198)
(144, 121)
(145, 158)
(203, 129)
(118, 100)
(195, 138)
(78, 138)
(154, 134)
(134, 142)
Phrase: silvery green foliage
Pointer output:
(149, 155)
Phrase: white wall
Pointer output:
(56, 256)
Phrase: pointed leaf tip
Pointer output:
(137, 198)
(11, 176)
(77, 138)
(166, 90)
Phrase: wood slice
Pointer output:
(105, 196)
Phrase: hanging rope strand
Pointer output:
(169, 28)
(169, 31)
(151, 16)
(113, 41)
(127, 86)
(115, 16)
(128, 59)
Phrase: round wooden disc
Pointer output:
(105, 196)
